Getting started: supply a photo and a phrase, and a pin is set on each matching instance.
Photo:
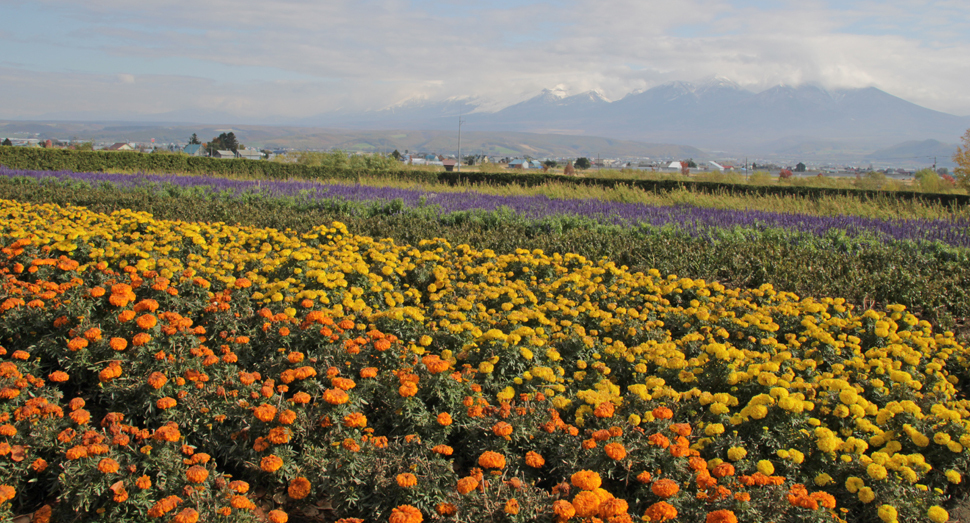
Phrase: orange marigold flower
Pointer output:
(658, 440)
(467, 484)
(613, 507)
(406, 480)
(681, 429)
(80, 416)
(615, 451)
(77, 344)
(8, 430)
(644, 477)
(601, 435)
(126, 316)
(295, 357)
(723, 470)
(299, 488)
(278, 516)
(446, 509)
(108, 466)
(586, 480)
(141, 339)
(824, 499)
(534, 459)
(368, 372)
(512, 506)
(197, 474)
(166, 403)
(502, 429)
(120, 494)
(271, 463)
(118, 344)
(242, 502)
(167, 432)
(491, 460)
(406, 514)
(239, 486)
(721, 516)
(588, 444)
(444, 450)
(665, 488)
(563, 509)
(660, 511)
(604, 410)
(157, 380)
(39, 465)
(335, 396)
(146, 321)
(343, 383)
(164, 506)
(350, 445)
(355, 420)
(407, 389)
(279, 435)
(265, 413)
(444, 419)
(144, 482)
(662, 413)
(586, 503)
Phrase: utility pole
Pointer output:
(460, 121)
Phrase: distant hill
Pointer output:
(442, 142)
(918, 152)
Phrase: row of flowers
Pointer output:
(188, 371)
(364, 199)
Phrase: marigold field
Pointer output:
(157, 370)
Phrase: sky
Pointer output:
(281, 60)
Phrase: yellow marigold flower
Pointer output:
(736, 453)
(765, 467)
(953, 476)
(887, 513)
(937, 514)
(823, 479)
(853, 484)
(876, 471)
(866, 495)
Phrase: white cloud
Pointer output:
(298, 58)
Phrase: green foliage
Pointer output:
(583, 163)
(962, 159)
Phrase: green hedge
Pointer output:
(100, 161)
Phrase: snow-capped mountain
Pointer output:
(715, 113)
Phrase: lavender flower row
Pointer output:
(697, 221)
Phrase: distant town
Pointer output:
(743, 166)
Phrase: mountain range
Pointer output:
(717, 114)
